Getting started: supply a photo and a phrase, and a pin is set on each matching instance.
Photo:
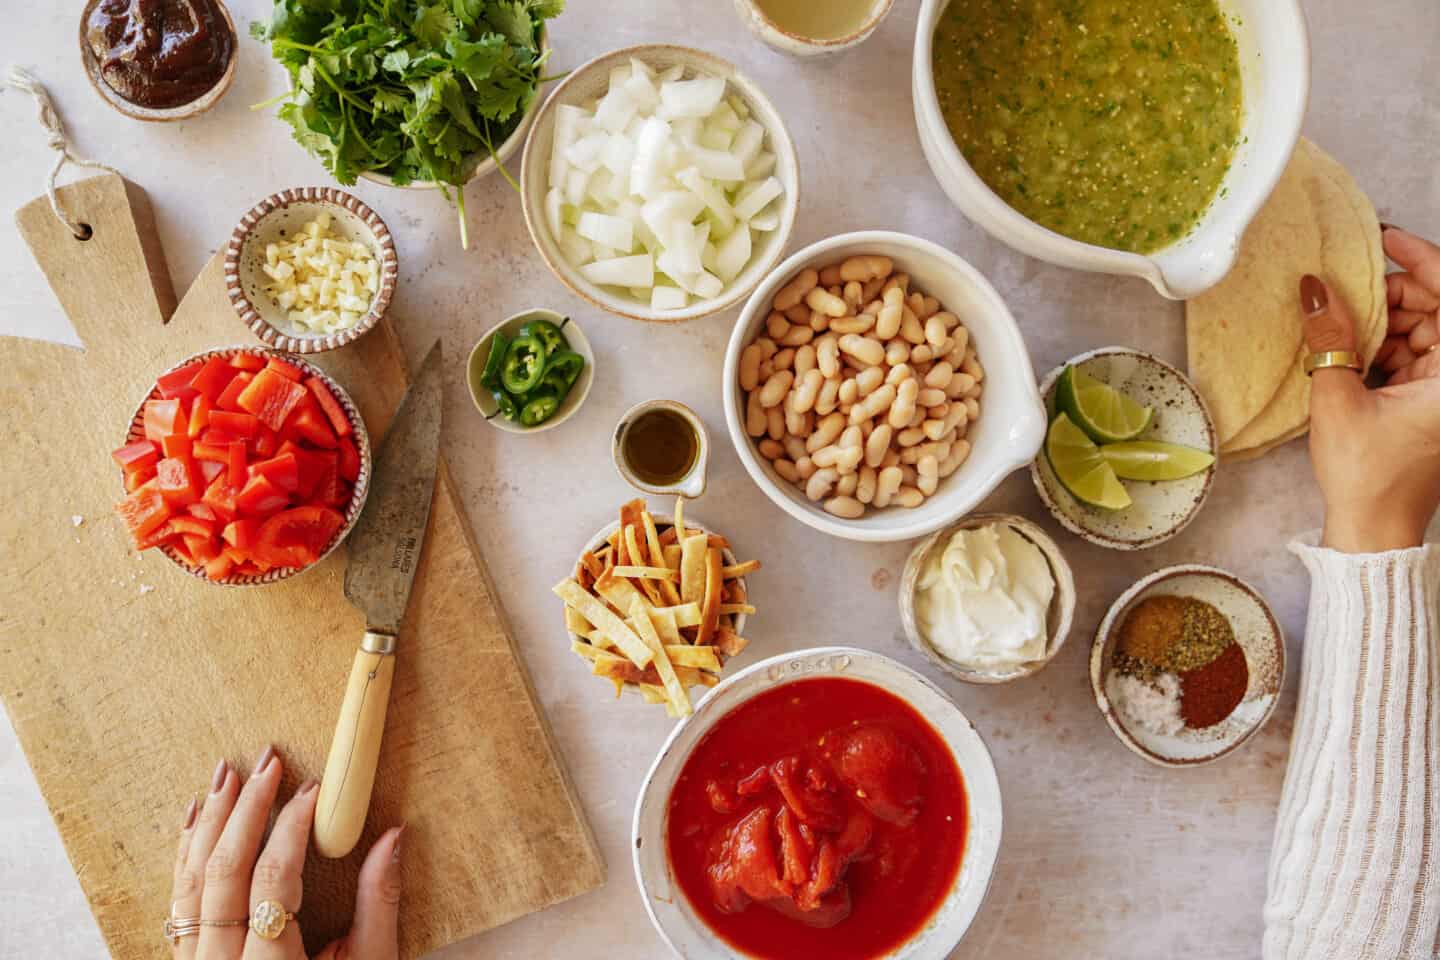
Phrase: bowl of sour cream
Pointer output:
(989, 599)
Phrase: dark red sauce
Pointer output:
(160, 53)
(825, 818)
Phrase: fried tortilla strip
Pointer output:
(692, 568)
(689, 677)
(717, 541)
(740, 569)
(653, 693)
(640, 617)
(605, 621)
(668, 537)
(730, 643)
(622, 670)
(652, 539)
(637, 560)
(617, 591)
(589, 651)
(674, 555)
(680, 533)
(700, 658)
(576, 623)
(710, 609)
(735, 592)
(648, 573)
(664, 622)
(736, 608)
(685, 614)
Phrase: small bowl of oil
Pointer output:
(662, 447)
(484, 399)
(812, 28)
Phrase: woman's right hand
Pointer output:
(1376, 453)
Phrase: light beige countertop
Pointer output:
(1103, 855)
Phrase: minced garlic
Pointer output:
(324, 282)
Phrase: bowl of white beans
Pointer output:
(877, 387)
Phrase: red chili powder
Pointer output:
(1209, 694)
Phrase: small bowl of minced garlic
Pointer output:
(989, 599)
(310, 269)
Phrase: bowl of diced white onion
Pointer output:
(310, 269)
(660, 183)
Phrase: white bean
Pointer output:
(934, 429)
(795, 291)
(849, 391)
(827, 355)
(771, 449)
(922, 354)
(909, 497)
(886, 485)
(874, 404)
(847, 508)
(910, 436)
(866, 267)
(827, 431)
(776, 325)
(972, 409)
(935, 333)
(878, 444)
(940, 375)
(794, 447)
(808, 391)
(775, 388)
(805, 467)
(852, 293)
(930, 397)
(845, 486)
(904, 406)
(775, 422)
(896, 351)
(754, 415)
(959, 451)
(868, 351)
(826, 302)
(819, 485)
(869, 380)
(785, 359)
(805, 361)
(767, 347)
(786, 469)
(972, 366)
(829, 398)
(853, 325)
(797, 335)
(899, 374)
(750, 367)
(830, 275)
(911, 328)
(865, 485)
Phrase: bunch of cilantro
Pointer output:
(414, 90)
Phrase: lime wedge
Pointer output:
(1153, 460)
(1104, 413)
(1080, 467)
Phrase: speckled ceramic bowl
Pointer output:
(358, 495)
(1256, 630)
(669, 909)
(1160, 510)
(281, 216)
(754, 16)
(1059, 617)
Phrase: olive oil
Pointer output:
(819, 19)
(660, 446)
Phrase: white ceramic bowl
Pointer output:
(1256, 630)
(510, 326)
(589, 81)
(1059, 617)
(794, 44)
(484, 164)
(282, 216)
(667, 905)
(1275, 74)
(1012, 422)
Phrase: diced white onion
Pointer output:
(637, 271)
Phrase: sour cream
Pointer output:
(981, 602)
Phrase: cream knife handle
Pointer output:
(350, 769)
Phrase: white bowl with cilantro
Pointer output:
(659, 183)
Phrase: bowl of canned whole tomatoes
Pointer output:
(244, 466)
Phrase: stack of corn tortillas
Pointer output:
(1245, 337)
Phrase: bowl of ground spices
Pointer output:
(1187, 665)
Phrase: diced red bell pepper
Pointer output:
(219, 452)
(220, 497)
(287, 370)
(212, 378)
(187, 524)
(218, 438)
(144, 511)
(176, 445)
(219, 568)
(180, 550)
(179, 480)
(202, 549)
(330, 407)
(200, 409)
(282, 469)
(296, 537)
(234, 424)
(271, 396)
(339, 496)
(265, 443)
(176, 383)
(162, 418)
(329, 487)
(260, 497)
(311, 468)
(229, 397)
(311, 426)
(235, 463)
(162, 534)
(247, 361)
(241, 534)
(209, 470)
(349, 460)
(135, 479)
(201, 511)
(137, 455)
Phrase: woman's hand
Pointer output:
(1377, 452)
(222, 871)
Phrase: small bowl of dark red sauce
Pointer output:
(831, 803)
(158, 59)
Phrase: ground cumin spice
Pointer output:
(1209, 694)
(1174, 634)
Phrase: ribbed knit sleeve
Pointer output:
(1355, 869)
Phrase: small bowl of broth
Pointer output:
(662, 447)
(810, 28)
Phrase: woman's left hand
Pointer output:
(222, 873)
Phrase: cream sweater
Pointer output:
(1355, 870)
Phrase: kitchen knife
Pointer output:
(384, 551)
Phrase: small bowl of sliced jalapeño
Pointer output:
(530, 372)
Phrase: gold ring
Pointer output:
(1326, 359)
(268, 919)
(175, 928)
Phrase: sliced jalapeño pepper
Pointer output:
(505, 405)
(539, 407)
(567, 363)
(490, 377)
(524, 364)
(548, 334)
(555, 380)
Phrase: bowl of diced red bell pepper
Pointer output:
(244, 465)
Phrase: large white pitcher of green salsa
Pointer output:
(1111, 136)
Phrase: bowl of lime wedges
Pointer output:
(1129, 455)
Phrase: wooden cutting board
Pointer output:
(127, 679)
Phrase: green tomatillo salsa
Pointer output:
(1109, 121)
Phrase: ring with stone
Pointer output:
(268, 919)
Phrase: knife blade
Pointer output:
(384, 551)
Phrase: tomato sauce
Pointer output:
(825, 818)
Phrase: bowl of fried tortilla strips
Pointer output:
(657, 604)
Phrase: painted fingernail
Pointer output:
(1313, 298)
(1388, 226)
(264, 760)
(395, 848)
(218, 781)
(309, 786)
(190, 813)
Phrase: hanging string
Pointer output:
(22, 80)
